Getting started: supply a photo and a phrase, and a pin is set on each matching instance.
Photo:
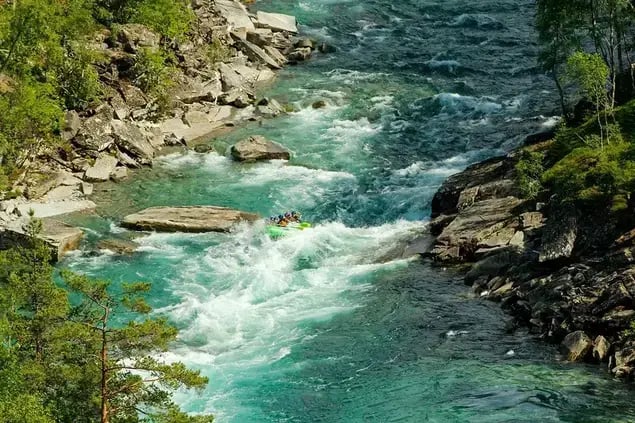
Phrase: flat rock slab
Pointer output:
(277, 22)
(55, 209)
(258, 148)
(195, 219)
(101, 170)
(235, 13)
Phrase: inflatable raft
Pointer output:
(275, 231)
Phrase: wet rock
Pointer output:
(445, 200)
(601, 348)
(576, 346)
(326, 48)
(277, 22)
(304, 43)
(299, 55)
(320, 104)
(187, 219)
(119, 174)
(101, 170)
(258, 148)
(624, 363)
(118, 246)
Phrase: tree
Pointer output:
(133, 383)
(591, 74)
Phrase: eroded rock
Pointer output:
(187, 219)
(258, 148)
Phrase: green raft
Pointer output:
(275, 231)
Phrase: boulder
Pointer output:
(304, 43)
(129, 138)
(187, 219)
(195, 90)
(95, 133)
(237, 98)
(72, 123)
(624, 363)
(277, 22)
(134, 97)
(119, 106)
(576, 346)
(275, 54)
(235, 14)
(61, 193)
(320, 104)
(601, 348)
(299, 54)
(101, 170)
(119, 246)
(487, 224)
(258, 148)
(257, 54)
(136, 36)
(261, 37)
(119, 174)
(229, 77)
(87, 188)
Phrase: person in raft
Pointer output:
(284, 220)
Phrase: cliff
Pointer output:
(566, 274)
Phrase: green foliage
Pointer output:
(217, 51)
(154, 75)
(61, 361)
(170, 18)
(78, 79)
(529, 170)
(591, 73)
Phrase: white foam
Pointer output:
(452, 102)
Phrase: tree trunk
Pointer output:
(105, 418)
(563, 106)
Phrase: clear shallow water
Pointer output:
(329, 325)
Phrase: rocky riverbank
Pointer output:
(229, 55)
(567, 276)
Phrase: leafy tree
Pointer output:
(591, 73)
(133, 383)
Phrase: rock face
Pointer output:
(258, 148)
(60, 237)
(187, 219)
(569, 277)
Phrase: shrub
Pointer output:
(154, 75)
(170, 18)
(217, 51)
(529, 171)
(78, 79)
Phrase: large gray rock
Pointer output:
(95, 134)
(487, 224)
(71, 125)
(101, 170)
(258, 148)
(235, 13)
(187, 219)
(42, 210)
(129, 138)
(257, 54)
(277, 22)
(136, 36)
(576, 346)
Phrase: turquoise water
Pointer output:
(329, 325)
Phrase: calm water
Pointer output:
(326, 325)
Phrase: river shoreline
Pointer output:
(124, 132)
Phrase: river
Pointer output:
(326, 325)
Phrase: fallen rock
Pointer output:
(601, 348)
(624, 363)
(320, 104)
(277, 22)
(258, 148)
(299, 55)
(119, 174)
(576, 346)
(187, 219)
(235, 13)
(130, 138)
(101, 170)
(42, 210)
(559, 235)
(71, 126)
(257, 54)
(119, 246)
(136, 36)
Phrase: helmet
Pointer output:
(280, 217)
(287, 214)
